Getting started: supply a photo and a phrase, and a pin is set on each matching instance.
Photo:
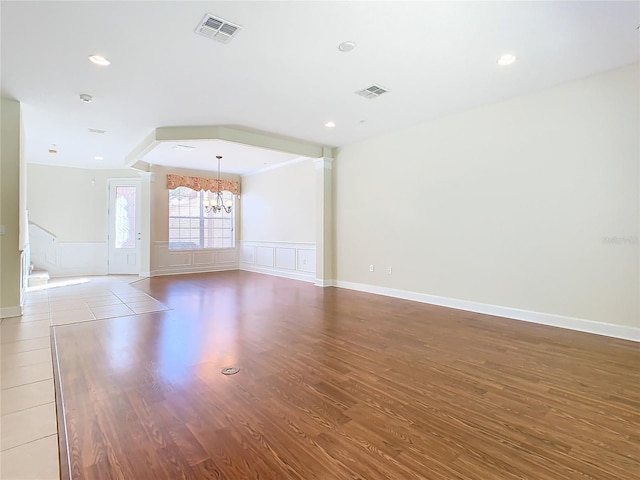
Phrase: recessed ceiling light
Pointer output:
(330, 124)
(506, 59)
(99, 60)
(86, 98)
(183, 148)
(347, 46)
(99, 158)
(53, 151)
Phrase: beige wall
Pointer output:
(279, 205)
(10, 207)
(71, 203)
(513, 204)
(160, 205)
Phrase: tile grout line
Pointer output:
(34, 439)
(30, 441)
(32, 406)
(28, 383)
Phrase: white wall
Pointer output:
(279, 221)
(71, 204)
(512, 204)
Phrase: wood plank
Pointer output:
(336, 384)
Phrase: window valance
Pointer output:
(202, 183)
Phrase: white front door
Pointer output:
(124, 227)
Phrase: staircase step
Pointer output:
(38, 277)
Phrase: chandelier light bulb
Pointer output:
(217, 205)
(506, 59)
(99, 60)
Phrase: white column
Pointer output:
(324, 222)
(145, 223)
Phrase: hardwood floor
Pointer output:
(337, 384)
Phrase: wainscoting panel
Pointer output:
(247, 254)
(283, 259)
(307, 261)
(71, 259)
(171, 262)
(82, 258)
(264, 256)
(227, 257)
(178, 259)
(286, 258)
(204, 258)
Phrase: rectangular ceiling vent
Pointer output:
(217, 28)
(98, 131)
(374, 91)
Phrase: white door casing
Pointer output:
(124, 236)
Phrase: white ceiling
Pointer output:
(236, 158)
(283, 73)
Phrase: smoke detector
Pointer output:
(217, 28)
(374, 91)
(86, 98)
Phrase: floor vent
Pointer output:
(217, 28)
(230, 370)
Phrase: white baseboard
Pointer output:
(185, 271)
(570, 323)
(6, 312)
(278, 273)
(324, 283)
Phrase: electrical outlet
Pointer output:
(371, 268)
(389, 270)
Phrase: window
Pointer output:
(125, 217)
(190, 227)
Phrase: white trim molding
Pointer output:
(6, 312)
(295, 260)
(275, 167)
(570, 323)
(323, 163)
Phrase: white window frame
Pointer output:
(203, 215)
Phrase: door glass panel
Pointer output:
(125, 235)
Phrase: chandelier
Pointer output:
(217, 204)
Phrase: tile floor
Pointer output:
(29, 434)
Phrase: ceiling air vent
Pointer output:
(97, 130)
(373, 91)
(217, 28)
